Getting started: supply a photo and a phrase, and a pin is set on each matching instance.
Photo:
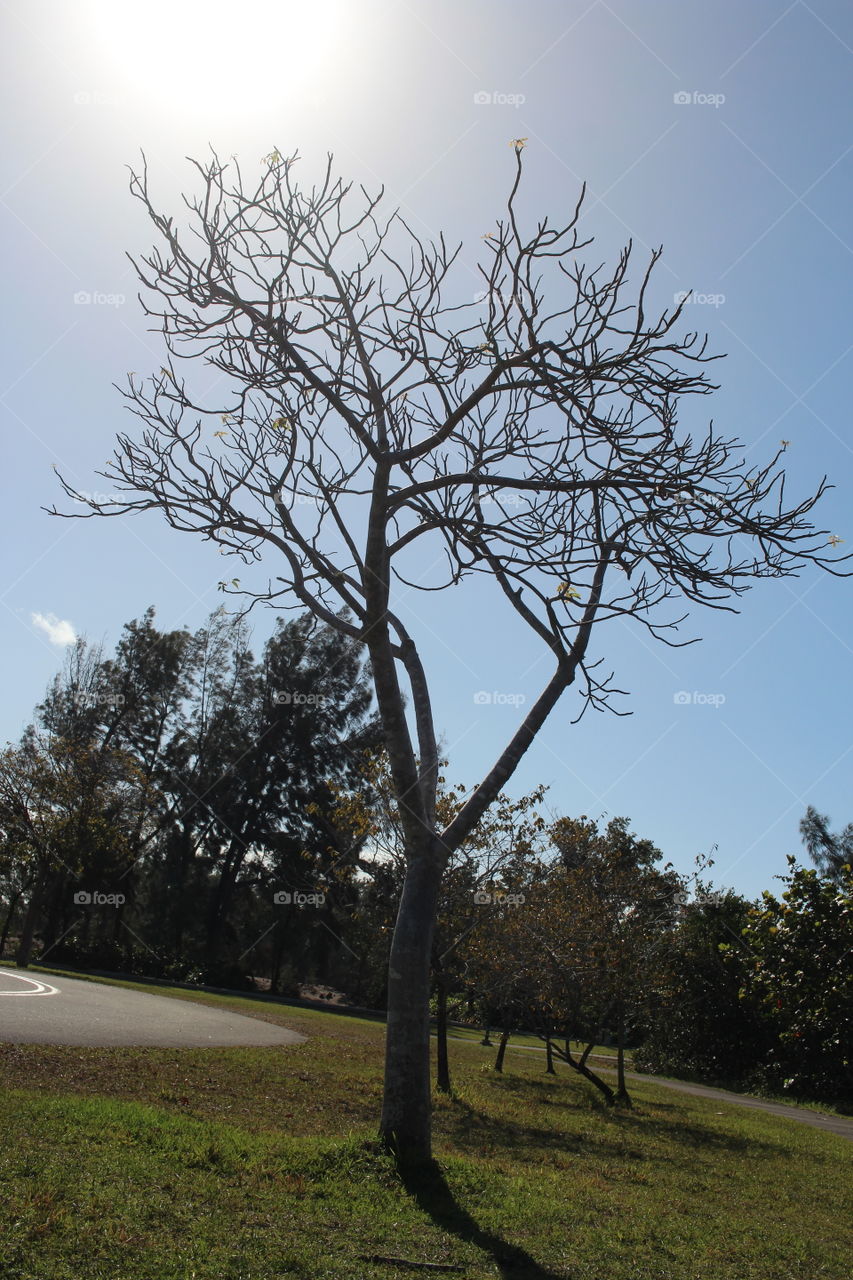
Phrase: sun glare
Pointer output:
(212, 58)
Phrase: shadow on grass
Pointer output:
(466, 1125)
(428, 1187)
(621, 1133)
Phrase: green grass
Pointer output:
(249, 1164)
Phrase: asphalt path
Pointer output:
(69, 1011)
(804, 1115)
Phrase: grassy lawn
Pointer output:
(520, 1040)
(248, 1164)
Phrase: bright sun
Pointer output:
(217, 58)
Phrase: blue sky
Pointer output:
(723, 132)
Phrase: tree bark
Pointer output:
(499, 1060)
(406, 1106)
(442, 1061)
(579, 1065)
(22, 959)
(7, 923)
(549, 1057)
(220, 903)
(622, 1095)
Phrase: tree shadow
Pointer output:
(428, 1186)
(622, 1136)
(465, 1125)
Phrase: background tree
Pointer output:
(699, 1023)
(194, 782)
(587, 939)
(800, 976)
(830, 851)
(371, 419)
(499, 849)
(499, 846)
(65, 808)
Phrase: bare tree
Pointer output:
(369, 411)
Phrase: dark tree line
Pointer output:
(759, 995)
(184, 810)
(166, 794)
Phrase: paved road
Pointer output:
(817, 1119)
(68, 1011)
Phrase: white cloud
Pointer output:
(56, 630)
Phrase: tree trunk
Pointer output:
(7, 923)
(276, 958)
(485, 1040)
(28, 930)
(622, 1095)
(442, 1062)
(407, 1104)
(220, 903)
(579, 1065)
(549, 1057)
(499, 1060)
